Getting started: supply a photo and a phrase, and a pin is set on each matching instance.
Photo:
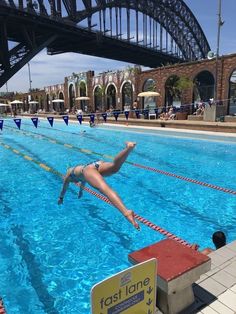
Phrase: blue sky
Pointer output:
(49, 70)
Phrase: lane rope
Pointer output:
(100, 196)
(166, 173)
(2, 309)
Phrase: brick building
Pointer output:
(119, 89)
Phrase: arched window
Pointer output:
(127, 95)
(203, 86)
(172, 91)
(232, 94)
(98, 98)
(149, 102)
(71, 96)
(82, 93)
(111, 97)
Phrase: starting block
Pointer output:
(179, 267)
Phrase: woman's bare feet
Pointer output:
(130, 216)
(130, 145)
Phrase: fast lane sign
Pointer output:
(132, 291)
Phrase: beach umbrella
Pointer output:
(33, 102)
(16, 102)
(82, 98)
(148, 94)
(57, 100)
(5, 105)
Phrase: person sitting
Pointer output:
(169, 115)
(200, 110)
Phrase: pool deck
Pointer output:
(215, 291)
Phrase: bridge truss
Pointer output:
(145, 32)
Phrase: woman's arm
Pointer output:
(66, 183)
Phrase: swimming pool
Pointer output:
(52, 255)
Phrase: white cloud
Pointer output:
(48, 70)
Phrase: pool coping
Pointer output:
(178, 132)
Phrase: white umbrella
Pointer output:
(16, 102)
(57, 100)
(5, 105)
(33, 102)
(148, 94)
(82, 98)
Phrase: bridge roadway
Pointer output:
(33, 32)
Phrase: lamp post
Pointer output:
(219, 24)
(30, 81)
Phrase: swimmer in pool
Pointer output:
(93, 173)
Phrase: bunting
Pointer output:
(104, 115)
(116, 114)
(1, 124)
(80, 118)
(126, 115)
(66, 119)
(92, 117)
(18, 123)
(35, 121)
(50, 120)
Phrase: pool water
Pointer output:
(52, 255)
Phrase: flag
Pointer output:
(92, 116)
(35, 121)
(116, 114)
(1, 124)
(50, 120)
(18, 122)
(66, 119)
(80, 118)
(126, 115)
(104, 115)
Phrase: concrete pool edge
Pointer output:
(158, 130)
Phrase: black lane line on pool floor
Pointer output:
(100, 196)
(34, 272)
(166, 173)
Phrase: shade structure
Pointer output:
(16, 102)
(5, 105)
(58, 100)
(33, 102)
(148, 94)
(82, 98)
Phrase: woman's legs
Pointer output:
(109, 168)
(94, 178)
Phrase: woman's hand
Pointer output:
(60, 201)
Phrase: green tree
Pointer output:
(100, 94)
(175, 86)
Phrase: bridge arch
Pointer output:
(186, 37)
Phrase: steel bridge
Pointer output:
(149, 33)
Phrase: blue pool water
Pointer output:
(51, 256)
